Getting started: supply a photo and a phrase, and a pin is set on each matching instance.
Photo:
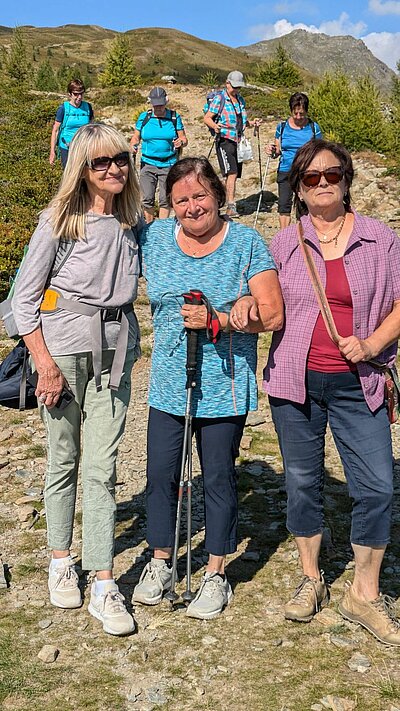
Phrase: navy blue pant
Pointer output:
(217, 442)
(364, 444)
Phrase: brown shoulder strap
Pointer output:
(319, 290)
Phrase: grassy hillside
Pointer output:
(156, 51)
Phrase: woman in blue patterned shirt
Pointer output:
(226, 261)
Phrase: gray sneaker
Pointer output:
(211, 598)
(154, 581)
(64, 586)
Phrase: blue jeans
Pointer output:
(217, 444)
(364, 444)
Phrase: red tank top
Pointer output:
(324, 355)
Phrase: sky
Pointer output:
(231, 22)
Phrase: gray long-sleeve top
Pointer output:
(102, 270)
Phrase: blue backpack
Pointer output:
(210, 96)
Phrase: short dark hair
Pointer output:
(306, 154)
(75, 85)
(298, 99)
(203, 170)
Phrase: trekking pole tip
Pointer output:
(188, 596)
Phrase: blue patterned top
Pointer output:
(226, 372)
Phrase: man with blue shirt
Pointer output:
(227, 117)
(163, 136)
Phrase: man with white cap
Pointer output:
(227, 117)
(163, 136)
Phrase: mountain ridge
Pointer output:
(159, 51)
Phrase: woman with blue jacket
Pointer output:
(70, 116)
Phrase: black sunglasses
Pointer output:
(311, 178)
(104, 162)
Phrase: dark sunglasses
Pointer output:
(77, 93)
(104, 162)
(311, 178)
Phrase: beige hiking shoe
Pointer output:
(377, 616)
(109, 608)
(64, 586)
(309, 597)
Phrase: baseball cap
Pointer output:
(158, 96)
(235, 79)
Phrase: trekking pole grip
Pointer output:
(193, 297)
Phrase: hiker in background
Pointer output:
(227, 118)
(70, 116)
(313, 380)
(290, 135)
(226, 261)
(163, 137)
(84, 335)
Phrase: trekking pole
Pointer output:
(212, 146)
(261, 191)
(257, 133)
(193, 297)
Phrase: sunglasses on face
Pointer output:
(311, 178)
(77, 93)
(104, 162)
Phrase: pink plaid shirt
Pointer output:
(372, 265)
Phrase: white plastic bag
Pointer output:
(244, 150)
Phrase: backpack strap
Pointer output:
(67, 109)
(146, 119)
(282, 128)
(314, 133)
(64, 249)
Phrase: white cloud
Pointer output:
(385, 46)
(341, 26)
(388, 7)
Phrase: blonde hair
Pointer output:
(69, 206)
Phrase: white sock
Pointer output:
(60, 562)
(100, 586)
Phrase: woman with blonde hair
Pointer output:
(73, 306)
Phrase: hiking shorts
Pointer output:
(150, 177)
(227, 157)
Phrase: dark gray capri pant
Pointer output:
(150, 177)
(285, 193)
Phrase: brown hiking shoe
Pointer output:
(377, 616)
(309, 597)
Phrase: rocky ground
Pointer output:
(250, 658)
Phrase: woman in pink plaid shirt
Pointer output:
(311, 381)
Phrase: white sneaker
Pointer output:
(154, 581)
(211, 598)
(109, 608)
(63, 586)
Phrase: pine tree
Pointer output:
(279, 71)
(119, 68)
(16, 66)
(340, 109)
(46, 79)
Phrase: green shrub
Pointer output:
(121, 96)
(350, 114)
(279, 71)
(262, 104)
(210, 79)
(27, 180)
